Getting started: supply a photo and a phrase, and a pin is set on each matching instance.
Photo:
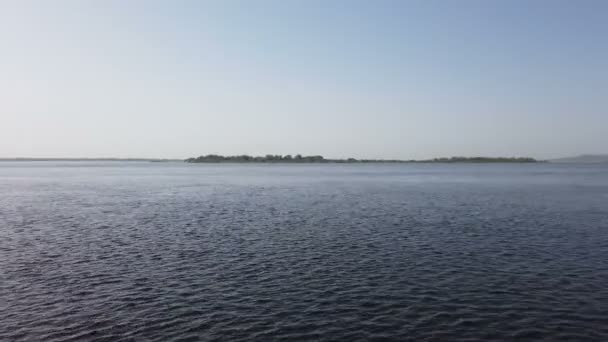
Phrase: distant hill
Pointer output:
(584, 158)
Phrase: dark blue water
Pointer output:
(175, 252)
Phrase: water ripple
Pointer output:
(344, 256)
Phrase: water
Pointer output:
(176, 252)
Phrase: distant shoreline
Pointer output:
(287, 159)
(317, 159)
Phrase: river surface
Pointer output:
(137, 251)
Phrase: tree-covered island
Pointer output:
(275, 158)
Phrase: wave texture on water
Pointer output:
(235, 253)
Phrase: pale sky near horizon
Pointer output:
(367, 79)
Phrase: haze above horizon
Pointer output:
(362, 79)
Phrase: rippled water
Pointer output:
(177, 252)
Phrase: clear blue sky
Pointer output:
(375, 79)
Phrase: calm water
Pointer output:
(176, 252)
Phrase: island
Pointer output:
(274, 158)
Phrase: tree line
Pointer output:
(298, 158)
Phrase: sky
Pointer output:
(364, 79)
